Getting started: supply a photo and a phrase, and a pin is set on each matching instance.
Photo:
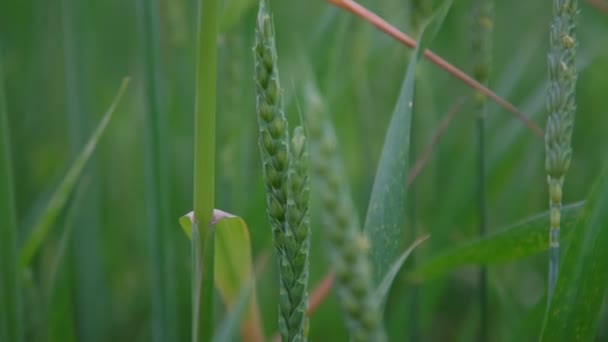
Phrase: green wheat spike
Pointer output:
(347, 245)
(286, 182)
(561, 107)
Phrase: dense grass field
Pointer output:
(99, 255)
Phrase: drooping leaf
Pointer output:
(517, 241)
(59, 198)
(385, 220)
(233, 267)
(574, 311)
(385, 286)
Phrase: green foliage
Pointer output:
(574, 310)
(58, 57)
(385, 220)
(517, 241)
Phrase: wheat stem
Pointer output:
(481, 44)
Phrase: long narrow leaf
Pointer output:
(385, 219)
(583, 279)
(62, 193)
(520, 240)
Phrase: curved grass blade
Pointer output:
(520, 240)
(387, 209)
(385, 285)
(11, 320)
(59, 198)
(233, 268)
(574, 311)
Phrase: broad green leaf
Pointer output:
(583, 277)
(233, 266)
(517, 241)
(11, 320)
(385, 286)
(59, 198)
(385, 220)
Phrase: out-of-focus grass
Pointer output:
(359, 72)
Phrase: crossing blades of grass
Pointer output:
(386, 210)
(59, 198)
(520, 240)
(574, 310)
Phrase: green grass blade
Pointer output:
(581, 286)
(518, 241)
(160, 238)
(204, 162)
(59, 198)
(11, 320)
(385, 219)
(385, 285)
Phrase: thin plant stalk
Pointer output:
(561, 107)
(11, 315)
(204, 168)
(159, 235)
(381, 24)
(482, 21)
(85, 249)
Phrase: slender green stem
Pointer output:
(11, 320)
(481, 45)
(561, 107)
(204, 159)
(159, 236)
(85, 252)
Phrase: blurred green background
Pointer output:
(63, 61)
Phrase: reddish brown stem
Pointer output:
(382, 25)
(428, 150)
(600, 5)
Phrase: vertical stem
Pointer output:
(11, 318)
(160, 242)
(481, 41)
(89, 309)
(204, 160)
